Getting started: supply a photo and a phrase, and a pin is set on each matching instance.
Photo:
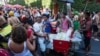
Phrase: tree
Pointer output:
(80, 5)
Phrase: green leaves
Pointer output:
(77, 5)
(80, 5)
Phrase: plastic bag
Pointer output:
(76, 37)
(62, 36)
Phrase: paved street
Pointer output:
(95, 50)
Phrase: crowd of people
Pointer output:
(26, 31)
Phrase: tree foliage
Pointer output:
(77, 5)
(80, 5)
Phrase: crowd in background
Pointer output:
(26, 30)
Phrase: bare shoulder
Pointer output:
(17, 48)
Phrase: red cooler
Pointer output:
(62, 46)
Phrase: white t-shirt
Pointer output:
(16, 14)
(38, 27)
(37, 14)
(46, 12)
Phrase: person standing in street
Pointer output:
(87, 32)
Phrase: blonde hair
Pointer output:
(76, 17)
(81, 16)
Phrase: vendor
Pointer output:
(65, 23)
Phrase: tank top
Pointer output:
(64, 24)
(25, 51)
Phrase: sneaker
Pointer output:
(96, 39)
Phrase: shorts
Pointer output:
(95, 28)
(87, 41)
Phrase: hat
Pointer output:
(11, 13)
(76, 12)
